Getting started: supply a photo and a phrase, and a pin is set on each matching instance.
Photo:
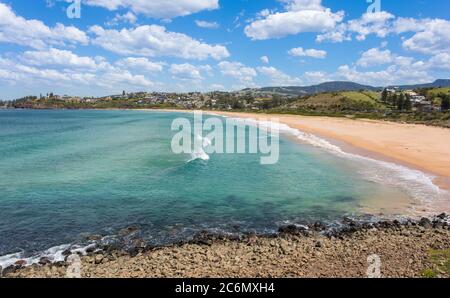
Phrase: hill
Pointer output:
(338, 86)
(334, 86)
(436, 84)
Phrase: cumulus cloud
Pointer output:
(430, 36)
(207, 25)
(155, 40)
(239, 71)
(264, 59)
(106, 77)
(433, 39)
(140, 64)
(277, 77)
(63, 58)
(301, 16)
(34, 33)
(313, 53)
(161, 9)
(188, 71)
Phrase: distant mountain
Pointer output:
(335, 86)
(436, 84)
(338, 86)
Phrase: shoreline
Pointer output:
(406, 249)
(377, 141)
(411, 152)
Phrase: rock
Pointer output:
(98, 259)
(425, 223)
(318, 244)
(67, 253)
(292, 230)
(442, 216)
(94, 238)
(44, 261)
(90, 249)
(128, 231)
(318, 226)
(20, 263)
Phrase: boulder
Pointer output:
(426, 223)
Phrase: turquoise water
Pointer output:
(67, 174)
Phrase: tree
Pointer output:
(394, 100)
(445, 104)
(384, 96)
(401, 102)
(407, 104)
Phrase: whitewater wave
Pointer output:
(53, 255)
(199, 152)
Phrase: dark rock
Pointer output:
(9, 270)
(318, 244)
(20, 263)
(67, 253)
(44, 261)
(438, 224)
(90, 249)
(128, 231)
(293, 230)
(387, 224)
(426, 223)
(203, 238)
(318, 227)
(442, 216)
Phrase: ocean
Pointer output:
(65, 175)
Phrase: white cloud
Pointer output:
(440, 61)
(313, 53)
(34, 33)
(207, 25)
(430, 35)
(433, 39)
(371, 23)
(301, 16)
(374, 57)
(264, 59)
(154, 40)
(140, 64)
(55, 57)
(239, 71)
(106, 78)
(161, 9)
(129, 18)
(278, 77)
(186, 71)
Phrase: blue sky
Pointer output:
(202, 45)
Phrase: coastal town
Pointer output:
(390, 98)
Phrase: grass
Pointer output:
(441, 259)
(360, 96)
(437, 91)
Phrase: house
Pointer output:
(418, 99)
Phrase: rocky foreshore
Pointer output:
(408, 248)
